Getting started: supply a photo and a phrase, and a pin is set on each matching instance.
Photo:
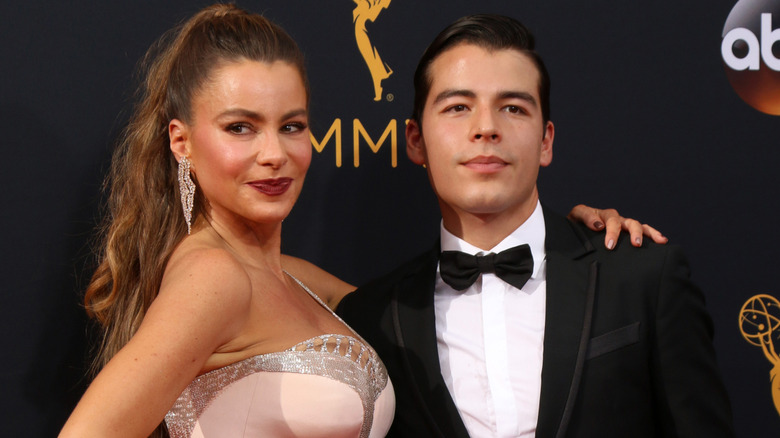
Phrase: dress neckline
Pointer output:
(343, 358)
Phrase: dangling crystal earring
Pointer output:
(187, 189)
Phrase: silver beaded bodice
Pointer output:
(342, 358)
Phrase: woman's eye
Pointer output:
(238, 128)
(293, 127)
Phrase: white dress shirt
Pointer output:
(490, 340)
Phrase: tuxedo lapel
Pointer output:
(415, 329)
(570, 293)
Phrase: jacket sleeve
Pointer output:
(690, 395)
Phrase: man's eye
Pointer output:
(457, 108)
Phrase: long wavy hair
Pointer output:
(144, 220)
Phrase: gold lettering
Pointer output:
(335, 128)
(358, 130)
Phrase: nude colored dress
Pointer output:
(325, 387)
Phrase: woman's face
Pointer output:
(248, 140)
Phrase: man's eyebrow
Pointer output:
(446, 94)
(522, 95)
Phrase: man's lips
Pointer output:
(485, 164)
(272, 186)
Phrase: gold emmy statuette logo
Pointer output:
(759, 322)
(368, 10)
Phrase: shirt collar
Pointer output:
(532, 232)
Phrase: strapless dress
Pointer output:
(326, 387)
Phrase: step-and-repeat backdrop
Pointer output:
(668, 111)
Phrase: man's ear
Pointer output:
(415, 145)
(179, 134)
(546, 156)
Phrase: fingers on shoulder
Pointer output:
(654, 234)
(585, 214)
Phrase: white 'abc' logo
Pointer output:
(751, 53)
(752, 61)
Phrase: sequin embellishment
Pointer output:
(342, 358)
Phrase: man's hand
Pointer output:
(597, 219)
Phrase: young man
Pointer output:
(537, 330)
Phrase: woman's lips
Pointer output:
(272, 186)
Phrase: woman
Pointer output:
(225, 101)
(202, 325)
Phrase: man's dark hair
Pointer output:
(492, 32)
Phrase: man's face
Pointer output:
(482, 136)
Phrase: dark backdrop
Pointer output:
(646, 120)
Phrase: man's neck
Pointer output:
(485, 231)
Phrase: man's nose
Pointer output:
(485, 127)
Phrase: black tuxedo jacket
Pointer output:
(627, 346)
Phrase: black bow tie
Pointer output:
(461, 270)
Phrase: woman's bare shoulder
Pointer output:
(206, 279)
(201, 262)
(201, 305)
(327, 286)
